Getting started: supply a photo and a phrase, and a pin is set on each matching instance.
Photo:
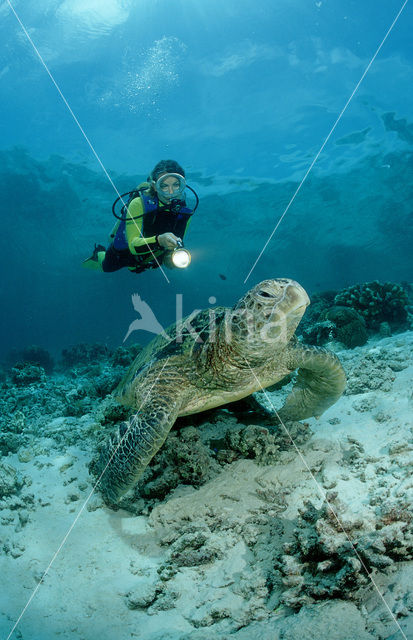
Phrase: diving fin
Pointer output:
(96, 259)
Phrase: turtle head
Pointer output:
(268, 315)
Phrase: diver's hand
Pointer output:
(168, 240)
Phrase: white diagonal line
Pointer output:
(325, 142)
(69, 531)
(49, 73)
(330, 506)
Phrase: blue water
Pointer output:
(243, 95)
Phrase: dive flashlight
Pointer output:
(180, 257)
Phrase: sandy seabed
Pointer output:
(311, 540)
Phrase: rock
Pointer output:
(335, 620)
(10, 480)
(25, 455)
(141, 597)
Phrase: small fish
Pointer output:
(221, 275)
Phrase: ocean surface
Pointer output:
(293, 122)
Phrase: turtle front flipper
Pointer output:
(128, 451)
(320, 383)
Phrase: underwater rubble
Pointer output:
(238, 528)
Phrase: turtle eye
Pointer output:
(265, 294)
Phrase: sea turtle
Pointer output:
(211, 358)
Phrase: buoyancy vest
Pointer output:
(154, 221)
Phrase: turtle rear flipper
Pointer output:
(127, 453)
(320, 382)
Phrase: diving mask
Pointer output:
(170, 186)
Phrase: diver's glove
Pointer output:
(168, 240)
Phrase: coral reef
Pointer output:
(318, 333)
(350, 315)
(234, 537)
(31, 400)
(377, 303)
(124, 356)
(337, 323)
(34, 355)
(350, 326)
(185, 459)
(84, 354)
(331, 555)
(312, 328)
(24, 373)
(194, 456)
(376, 369)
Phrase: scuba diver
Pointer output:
(151, 225)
